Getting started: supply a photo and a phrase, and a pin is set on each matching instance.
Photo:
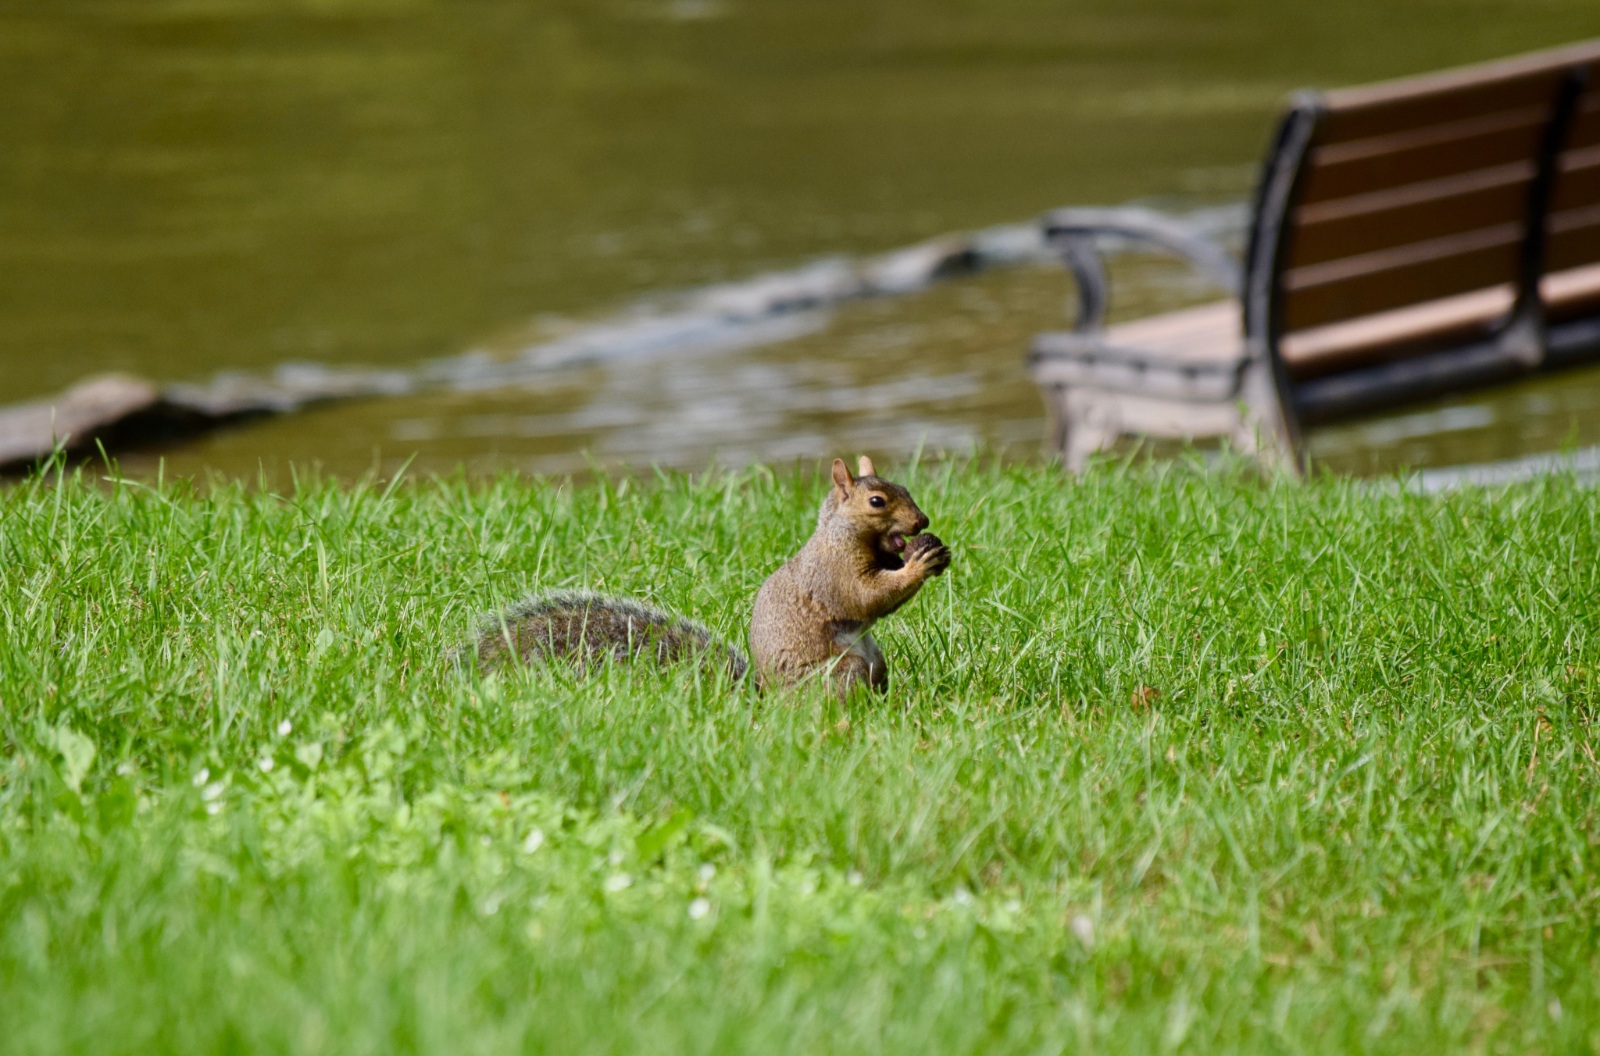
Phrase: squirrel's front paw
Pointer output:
(927, 552)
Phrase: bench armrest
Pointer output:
(1072, 233)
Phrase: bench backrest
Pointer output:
(1393, 217)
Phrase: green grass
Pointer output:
(245, 806)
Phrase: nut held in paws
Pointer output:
(926, 541)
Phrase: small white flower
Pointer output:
(202, 777)
(284, 727)
(265, 764)
(961, 896)
(854, 878)
(707, 872)
(534, 841)
(618, 882)
(1013, 906)
(212, 792)
(1083, 929)
(213, 809)
(615, 858)
(699, 908)
(490, 905)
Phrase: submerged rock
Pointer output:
(73, 419)
(119, 411)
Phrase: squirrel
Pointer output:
(869, 555)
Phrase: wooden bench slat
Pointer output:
(1586, 123)
(1390, 198)
(1309, 353)
(1449, 95)
(1469, 76)
(1346, 122)
(1426, 271)
(1385, 335)
(1570, 293)
(1574, 239)
(1347, 169)
(1578, 183)
(1400, 216)
(1207, 333)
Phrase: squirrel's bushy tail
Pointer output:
(590, 629)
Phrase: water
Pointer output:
(198, 185)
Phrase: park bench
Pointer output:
(1407, 239)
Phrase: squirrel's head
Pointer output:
(877, 508)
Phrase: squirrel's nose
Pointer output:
(922, 522)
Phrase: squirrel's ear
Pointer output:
(841, 475)
(865, 469)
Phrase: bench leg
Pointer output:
(1090, 424)
(1079, 425)
(1056, 424)
(1084, 441)
(1264, 428)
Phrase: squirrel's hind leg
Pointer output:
(851, 674)
(862, 666)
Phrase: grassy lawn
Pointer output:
(1173, 761)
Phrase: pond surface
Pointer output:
(191, 186)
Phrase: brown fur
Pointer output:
(812, 617)
(592, 629)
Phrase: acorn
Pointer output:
(927, 541)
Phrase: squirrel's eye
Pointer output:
(878, 502)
